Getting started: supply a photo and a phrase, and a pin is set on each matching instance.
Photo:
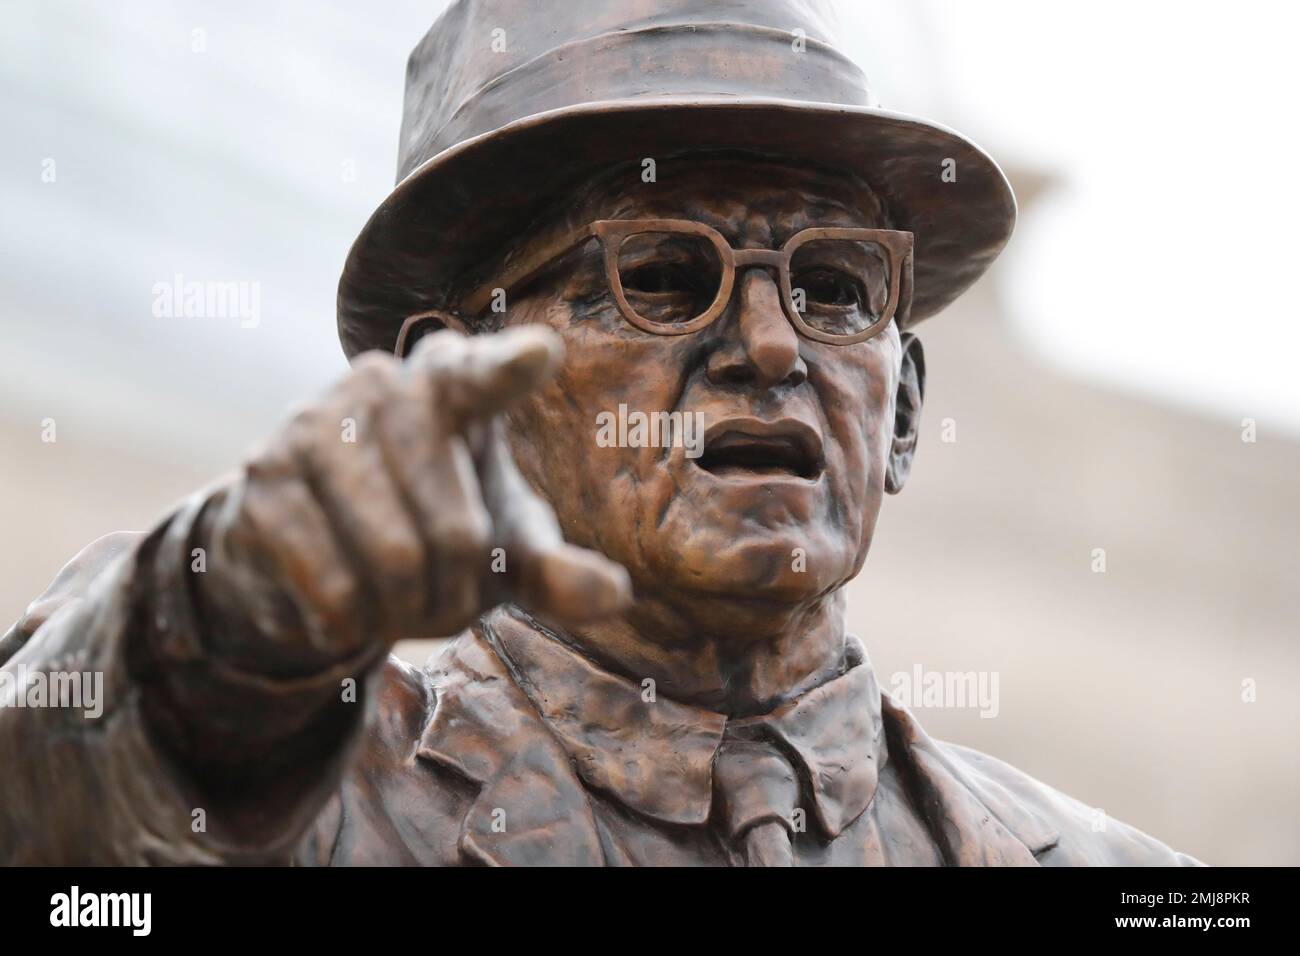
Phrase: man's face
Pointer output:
(782, 504)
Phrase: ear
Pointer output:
(421, 324)
(907, 413)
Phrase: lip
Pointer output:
(750, 448)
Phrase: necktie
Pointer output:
(756, 791)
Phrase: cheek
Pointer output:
(857, 396)
(596, 490)
(858, 399)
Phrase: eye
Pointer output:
(825, 286)
(659, 278)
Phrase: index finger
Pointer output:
(479, 376)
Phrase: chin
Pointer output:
(779, 566)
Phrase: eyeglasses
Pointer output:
(675, 276)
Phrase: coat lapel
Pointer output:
(531, 809)
(977, 821)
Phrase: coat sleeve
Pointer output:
(94, 720)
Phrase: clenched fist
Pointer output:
(377, 513)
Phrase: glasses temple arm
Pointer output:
(518, 273)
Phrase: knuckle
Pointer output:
(403, 428)
(303, 427)
(438, 355)
(437, 343)
(399, 556)
(463, 538)
(373, 359)
(373, 372)
(269, 464)
(255, 515)
(336, 595)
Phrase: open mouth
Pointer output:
(780, 449)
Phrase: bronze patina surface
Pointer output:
(652, 666)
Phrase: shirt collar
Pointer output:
(656, 755)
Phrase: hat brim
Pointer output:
(458, 207)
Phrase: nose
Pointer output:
(759, 346)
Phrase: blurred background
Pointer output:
(1123, 379)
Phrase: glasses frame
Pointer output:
(611, 234)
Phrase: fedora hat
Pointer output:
(510, 103)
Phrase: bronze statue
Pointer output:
(634, 365)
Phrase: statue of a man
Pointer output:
(646, 286)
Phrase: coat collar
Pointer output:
(530, 751)
(975, 819)
(656, 755)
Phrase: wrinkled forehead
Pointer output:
(751, 200)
